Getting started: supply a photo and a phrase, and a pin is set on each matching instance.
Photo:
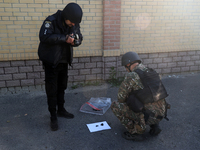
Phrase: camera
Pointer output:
(76, 39)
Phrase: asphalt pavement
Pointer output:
(24, 120)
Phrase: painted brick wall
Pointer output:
(111, 25)
(20, 22)
(164, 32)
(29, 75)
(160, 25)
(146, 26)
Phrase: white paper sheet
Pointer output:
(98, 126)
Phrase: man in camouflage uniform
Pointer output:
(135, 122)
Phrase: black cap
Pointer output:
(72, 12)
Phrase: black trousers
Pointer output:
(55, 85)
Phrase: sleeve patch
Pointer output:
(47, 24)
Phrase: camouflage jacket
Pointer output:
(131, 82)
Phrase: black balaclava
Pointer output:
(72, 12)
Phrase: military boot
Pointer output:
(54, 123)
(63, 113)
(155, 129)
(135, 136)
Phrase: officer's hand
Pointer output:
(69, 39)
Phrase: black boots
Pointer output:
(63, 113)
(134, 137)
(155, 129)
(54, 123)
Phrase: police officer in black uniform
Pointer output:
(58, 35)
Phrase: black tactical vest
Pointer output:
(153, 88)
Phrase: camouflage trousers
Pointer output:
(135, 122)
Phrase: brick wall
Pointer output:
(146, 26)
(28, 75)
(111, 27)
(164, 32)
(20, 22)
(159, 25)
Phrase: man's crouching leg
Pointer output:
(132, 121)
